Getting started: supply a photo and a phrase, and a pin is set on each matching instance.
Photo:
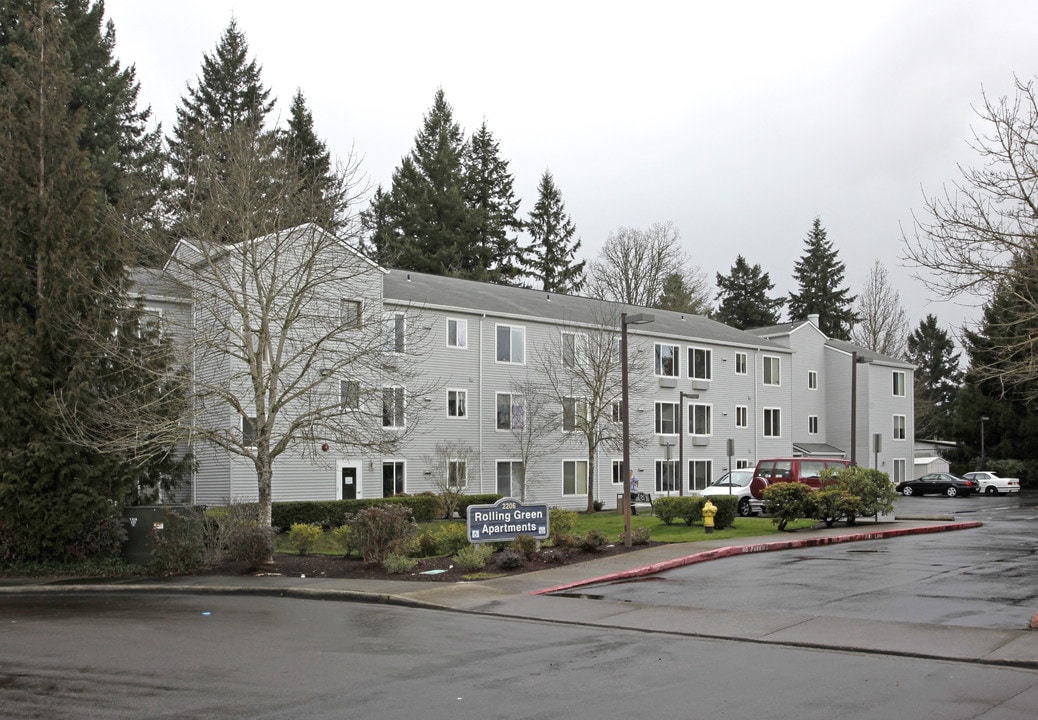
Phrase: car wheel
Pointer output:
(906, 490)
(952, 491)
(992, 490)
(744, 507)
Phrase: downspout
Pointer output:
(479, 412)
(854, 409)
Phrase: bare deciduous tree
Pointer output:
(979, 237)
(882, 325)
(634, 266)
(449, 466)
(535, 429)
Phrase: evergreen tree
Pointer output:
(63, 309)
(743, 300)
(554, 248)
(678, 295)
(301, 146)
(937, 377)
(494, 222)
(820, 274)
(229, 95)
(424, 223)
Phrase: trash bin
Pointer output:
(141, 522)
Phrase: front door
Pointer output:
(349, 483)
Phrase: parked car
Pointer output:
(737, 483)
(943, 483)
(992, 484)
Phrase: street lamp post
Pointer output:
(983, 462)
(625, 320)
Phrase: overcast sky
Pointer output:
(738, 121)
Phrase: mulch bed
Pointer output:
(330, 566)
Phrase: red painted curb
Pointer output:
(762, 547)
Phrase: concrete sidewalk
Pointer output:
(566, 595)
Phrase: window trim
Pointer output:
(398, 404)
(248, 434)
(812, 421)
(577, 491)
(658, 360)
(514, 400)
(578, 404)
(659, 421)
(461, 333)
(514, 332)
(766, 361)
(663, 465)
(464, 395)
(902, 427)
(744, 358)
(454, 465)
(770, 415)
(904, 380)
(349, 323)
(575, 356)
(693, 351)
(812, 379)
(745, 411)
(345, 396)
(709, 408)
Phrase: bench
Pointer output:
(638, 500)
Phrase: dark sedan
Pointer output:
(942, 483)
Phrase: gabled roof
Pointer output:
(818, 450)
(866, 355)
(452, 294)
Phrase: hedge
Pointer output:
(331, 513)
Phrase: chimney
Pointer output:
(813, 319)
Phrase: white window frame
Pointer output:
(771, 427)
(707, 355)
(516, 351)
(659, 360)
(618, 469)
(661, 421)
(666, 476)
(812, 379)
(899, 466)
(399, 410)
(771, 371)
(742, 416)
(514, 468)
(350, 313)
(574, 349)
(460, 332)
(700, 419)
(616, 411)
(574, 411)
(349, 395)
(516, 411)
(249, 430)
(812, 424)
(741, 364)
(457, 474)
(460, 409)
(898, 377)
(580, 475)
(700, 472)
(396, 333)
(900, 428)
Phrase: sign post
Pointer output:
(506, 520)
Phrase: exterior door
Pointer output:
(349, 483)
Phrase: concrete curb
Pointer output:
(733, 550)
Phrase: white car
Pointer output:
(991, 484)
(736, 483)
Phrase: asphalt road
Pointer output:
(154, 656)
(985, 577)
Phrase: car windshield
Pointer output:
(733, 480)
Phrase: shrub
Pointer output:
(302, 538)
(872, 488)
(473, 557)
(788, 501)
(688, 508)
(451, 537)
(510, 559)
(666, 509)
(593, 540)
(727, 510)
(179, 546)
(343, 537)
(560, 523)
(832, 504)
(254, 545)
(639, 536)
(525, 545)
(598, 505)
(398, 564)
(381, 530)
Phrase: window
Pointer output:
(618, 469)
(741, 416)
(509, 477)
(392, 407)
(666, 476)
(396, 326)
(457, 405)
(574, 477)
(700, 363)
(392, 478)
(740, 464)
(349, 394)
(574, 412)
(899, 471)
(616, 411)
(457, 333)
(899, 427)
(812, 424)
(511, 344)
(149, 321)
(700, 419)
(740, 363)
(456, 473)
(667, 361)
(772, 422)
(771, 370)
(509, 411)
(349, 313)
(574, 349)
(699, 473)
(666, 418)
(249, 430)
(812, 379)
(899, 383)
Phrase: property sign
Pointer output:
(506, 520)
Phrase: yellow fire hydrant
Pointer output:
(709, 510)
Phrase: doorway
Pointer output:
(348, 482)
